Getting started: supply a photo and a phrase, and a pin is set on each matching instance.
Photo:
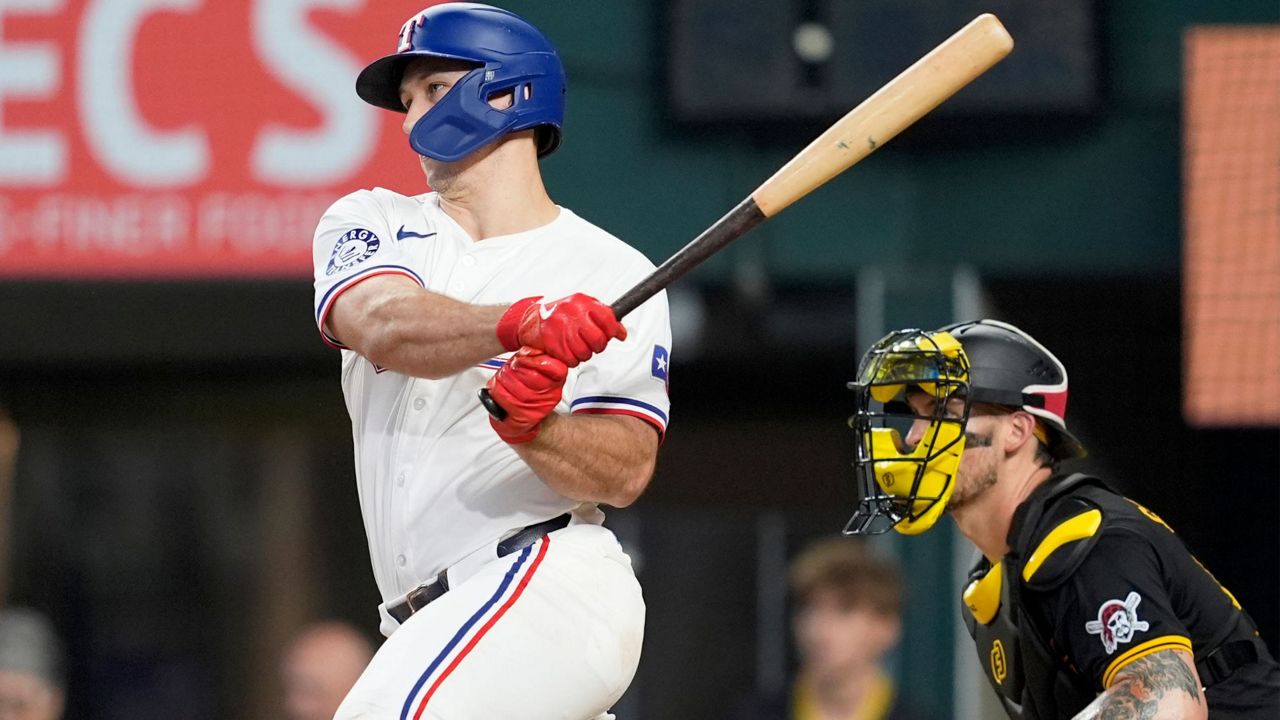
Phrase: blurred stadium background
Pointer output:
(182, 499)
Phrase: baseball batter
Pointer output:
(503, 594)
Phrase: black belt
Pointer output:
(1220, 663)
(419, 597)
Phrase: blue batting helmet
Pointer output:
(510, 55)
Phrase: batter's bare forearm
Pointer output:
(594, 458)
(412, 331)
(1160, 686)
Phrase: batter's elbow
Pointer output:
(632, 487)
(391, 347)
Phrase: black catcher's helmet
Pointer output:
(1008, 367)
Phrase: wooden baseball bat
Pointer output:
(959, 60)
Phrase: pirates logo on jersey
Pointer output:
(1117, 622)
(354, 247)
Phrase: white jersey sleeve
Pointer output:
(630, 377)
(355, 241)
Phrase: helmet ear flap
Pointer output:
(459, 123)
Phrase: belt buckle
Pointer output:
(416, 599)
(419, 597)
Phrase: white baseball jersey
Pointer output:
(435, 481)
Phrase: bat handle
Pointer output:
(620, 308)
(495, 410)
(623, 306)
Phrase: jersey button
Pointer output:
(419, 403)
(400, 560)
(468, 261)
(400, 480)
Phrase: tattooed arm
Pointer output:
(1161, 686)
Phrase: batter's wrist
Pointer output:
(508, 328)
(513, 436)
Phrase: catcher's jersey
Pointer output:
(1139, 590)
(435, 481)
(1105, 582)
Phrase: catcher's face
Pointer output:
(983, 444)
(908, 456)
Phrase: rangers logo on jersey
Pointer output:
(1117, 622)
(354, 247)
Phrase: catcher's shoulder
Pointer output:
(1070, 529)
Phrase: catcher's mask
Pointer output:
(983, 361)
(901, 487)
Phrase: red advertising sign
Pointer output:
(183, 138)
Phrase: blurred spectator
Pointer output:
(846, 618)
(32, 679)
(9, 437)
(319, 667)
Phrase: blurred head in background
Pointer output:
(32, 674)
(319, 667)
(848, 605)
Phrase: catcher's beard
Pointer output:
(972, 484)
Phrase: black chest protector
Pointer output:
(1051, 535)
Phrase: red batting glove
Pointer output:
(570, 329)
(528, 387)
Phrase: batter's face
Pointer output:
(424, 82)
(982, 449)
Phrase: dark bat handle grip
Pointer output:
(497, 411)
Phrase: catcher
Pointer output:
(1084, 604)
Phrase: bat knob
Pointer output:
(492, 405)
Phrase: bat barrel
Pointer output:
(920, 88)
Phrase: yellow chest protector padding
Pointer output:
(992, 622)
(982, 596)
(1057, 554)
(1070, 529)
(1060, 539)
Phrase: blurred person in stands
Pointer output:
(32, 679)
(846, 619)
(319, 667)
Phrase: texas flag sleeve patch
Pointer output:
(661, 359)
